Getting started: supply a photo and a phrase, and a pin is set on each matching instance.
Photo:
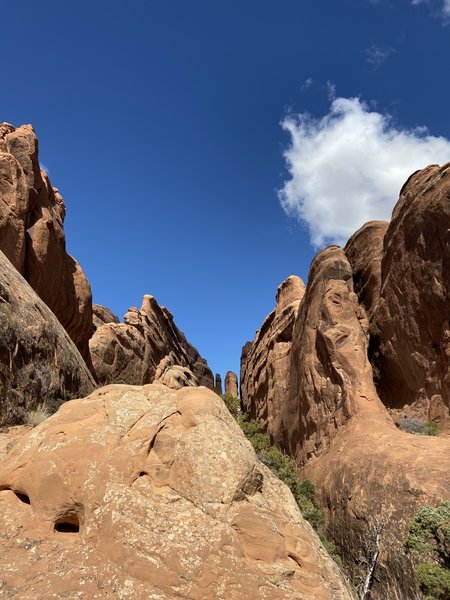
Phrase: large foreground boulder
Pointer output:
(145, 492)
(147, 347)
(32, 234)
(39, 363)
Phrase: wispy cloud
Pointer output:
(348, 166)
(376, 55)
(440, 7)
(307, 83)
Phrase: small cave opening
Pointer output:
(68, 523)
(23, 497)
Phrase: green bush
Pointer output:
(429, 542)
(434, 581)
(232, 404)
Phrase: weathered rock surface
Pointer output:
(144, 347)
(145, 492)
(218, 384)
(39, 363)
(364, 252)
(410, 330)
(370, 476)
(32, 236)
(231, 384)
(102, 315)
(265, 362)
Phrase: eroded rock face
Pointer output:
(265, 362)
(32, 235)
(147, 492)
(410, 330)
(102, 315)
(364, 252)
(38, 361)
(218, 384)
(144, 347)
(231, 384)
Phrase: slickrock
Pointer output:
(364, 252)
(102, 315)
(39, 363)
(144, 347)
(218, 384)
(231, 384)
(265, 362)
(146, 492)
(410, 330)
(32, 235)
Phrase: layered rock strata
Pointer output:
(144, 347)
(147, 492)
(39, 363)
(265, 362)
(32, 234)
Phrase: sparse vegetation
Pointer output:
(36, 416)
(283, 466)
(418, 426)
(429, 543)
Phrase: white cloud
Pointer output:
(347, 167)
(376, 55)
(307, 83)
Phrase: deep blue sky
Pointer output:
(160, 124)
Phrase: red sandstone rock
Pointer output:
(231, 384)
(32, 235)
(102, 315)
(146, 492)
(265, 361)
(218, 384)
(39, 364)
(144, 347)
(410, 346)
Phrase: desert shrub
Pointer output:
(429, 542)
(434, 581)
(232, 403)
(418, 426)
(36, 416)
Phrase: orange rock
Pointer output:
(148, 492)
(231, 384)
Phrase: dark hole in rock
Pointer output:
(23, 497)
(142, 474)
(68, 523)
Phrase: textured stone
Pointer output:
(364, 252)
(265, 361)
(32, 235)
(102, 315)
(218, 384)
(142, 349)
(39, 364)
(231, 384)
(410, 330)
(145, 492)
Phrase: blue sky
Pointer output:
(170, 129)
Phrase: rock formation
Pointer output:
(32, 236)
(231, 384)
(39, 364)
(143, 348)
(218, 384)
(410, 330)
(370, 476)
(146, 492)
(102, 315)
(265, 361)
